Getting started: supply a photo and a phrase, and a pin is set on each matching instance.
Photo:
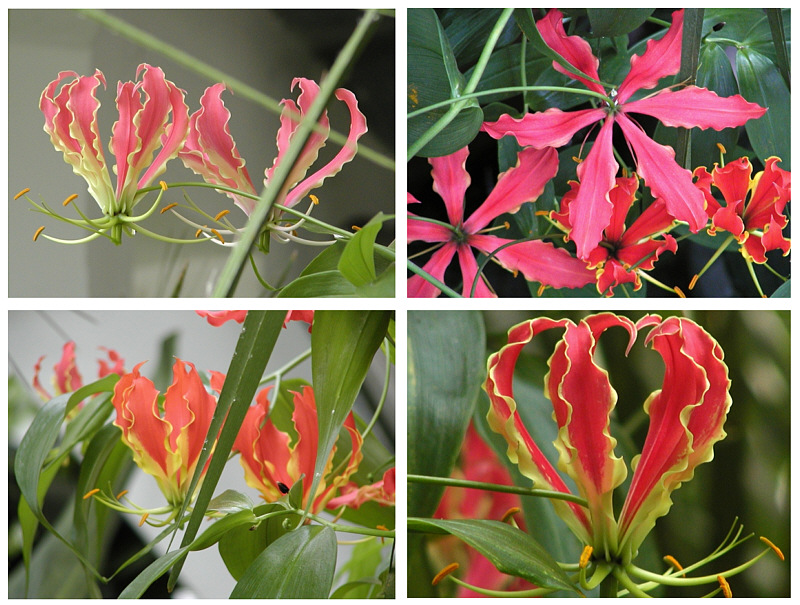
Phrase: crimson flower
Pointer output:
(211, 152)
(753, 211)
(688, 107)
(686, 419)
(624, 252)
(272, 459)
(382, 492)
(537, 260)
(217, 318)
(143, 126)
(166, 438)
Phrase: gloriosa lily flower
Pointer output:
(166, 435)
(686, 419)
(273, 461)
(537, 260)
(753, 210)
(211, 152)
(624, 251)
(143, 126)
(382, 492)
(688, 107)
(217, 318)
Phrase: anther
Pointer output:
(576, 159)
(168, 207)
(198, 232)
(773, 547)
(444, 573)
(515, 272)
(693, 283)
(726, 588)
(38, 231)
(143, 519)
(507, 224)
(721, 147)
(510, 514)
(355, 228)
(66, 202)
(679, 292)
(542, 213)
(215, 232)
(163, 184)
(221, 214)
(314, 199)
(540, 291)
(21, 193)
(91, 493)
(673, 562)
(585, 556)
(122, 493)
(382, 528)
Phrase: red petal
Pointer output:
(551, 128)
(436, 266)
(450, 181)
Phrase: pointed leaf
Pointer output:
(610, 22)
(357, 263)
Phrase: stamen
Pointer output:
(576, 159)
(693, 283)
(515, 272)
(722, 153)
(221, 214)
(679, 292)
(356, 228)
(163, 184)
(143, 519)
(215, 232)
(122, 493)
(726, 588)
(21, 193)
(444, 573)
(91, 493)
(314, 199)
(585, 556)
(721, 148)
(542, 213)
(169, 207)
(38, 231)
(199, 231)
(507, 224)
(66, 202)
(540, 291)
(510, 514)
(673, 562)
(773, 547)
(384, 528)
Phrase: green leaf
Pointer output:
(229, 501)
(761, 82)
(256, 341)
(510, 550)
(446, 366)
(357, 263)
(775, 20)
(468, 30)
(299, 565)
(785, 291)
(151, 573)
(610, 22)
(343, 344)
(433, 77)
(324, 284)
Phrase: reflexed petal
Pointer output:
(661, 58)
(522, 183)
(667, 180)
(551, 128)
(655, 220)
(469, 271)
(67, 378)
(622, 197)
(217, 318)
(504, 419)
(771, 191)
(436, 266)
(703, 183)
(450, 181)
(418, 230)
(645, 254)
(696, 107)
(686, 419)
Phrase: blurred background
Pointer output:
(137, 336)
(264, 48)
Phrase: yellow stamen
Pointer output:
(66, 202)
(198, 232)
(38, 231)
(540, 291)
(356, 228)
(679, 292)
(143, 519)
(773, 547)
(314, 199)
(507, 224)
(726, 588)
(163, 184)
(122, 493)
(169, 207)
(215, 232)
(721, 147)
(21, 193)
(585, 556)
(91, 493)
(515, 273)
(444, 573)
(576, 159)
(221, 214)
(542, 213)
(383, 528)
(510, 513)
(693, 283)
(673, 562)
(624, 172)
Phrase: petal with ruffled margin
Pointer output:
(661, 58)
(551, 128)
(450, 181)
(771, 191)
(538, 261)
(504, 419)
(469, 271)
(522, 183)
(666, 179)
(574, 49)
(210, 150)
(420, 230)
(590, 211)
(418, 287)
(686, 419)
(583, 399)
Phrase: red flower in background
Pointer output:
(67, 378)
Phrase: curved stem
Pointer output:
(164, 238)
(431, 279)
(384, 393)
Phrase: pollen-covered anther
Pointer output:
(169, 207)
(510, 514)
(515, 272)
(576, 159)
(66, 202)
(721, 147)
(21, 193)
(143, 519)
(199, 231)
(163, 185)
(444, 573)
(585, 556)
(673, 562)
(221, 214)
(679, 292)
(541, 289)
(726, 588)
(38, 231)
(356, 228)
(542, 213)
(314, 199)
(90, 493)
(219, 236)
(122, 493)
(769, 543)
(693, 283)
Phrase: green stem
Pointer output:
(386, 379)
(431, 279)
(690, 60)
(350, 529)
(608, 587)
(495, 487)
